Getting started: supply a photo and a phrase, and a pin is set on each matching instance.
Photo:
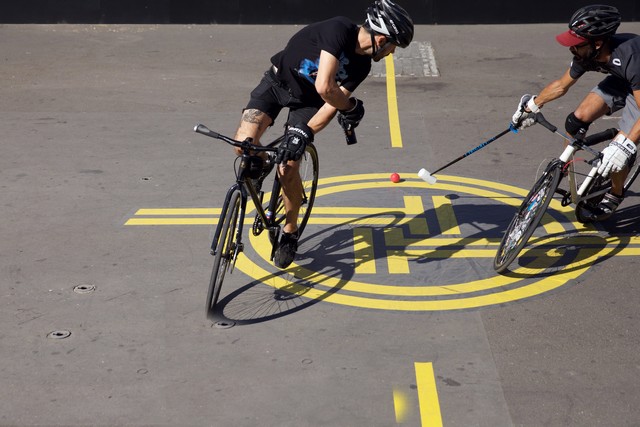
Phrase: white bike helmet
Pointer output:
(390, 20)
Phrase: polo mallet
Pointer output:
(429, 178)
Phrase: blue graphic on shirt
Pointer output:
(309, 69)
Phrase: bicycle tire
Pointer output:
(309, 173)
(224, 250)
(528, 217)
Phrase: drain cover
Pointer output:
(59, 335)
(224, 324)
(84, 289)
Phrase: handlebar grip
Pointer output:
(540, 119)
(350, 136)
(202, 129)
(599, 137)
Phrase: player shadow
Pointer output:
(325, 264)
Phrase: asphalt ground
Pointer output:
(386, 318)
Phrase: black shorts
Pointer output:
(271, 96)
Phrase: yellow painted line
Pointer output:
(429, 403)
(365, 260)
(394, 237)
(441, 186)
(171, 221)
(586, 259)
(414, 205)
(179, 211)
(401, 405)
(397, 263)
(446, 216)
(392, 102)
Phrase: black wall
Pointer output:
(292, 11)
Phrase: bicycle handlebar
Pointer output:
(540, 119)
(596, 138)
(206, 131)
(599, 137)
(246, 144)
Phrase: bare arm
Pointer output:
(326, 85)
(555, 89)
(335, 97)
(325, 114)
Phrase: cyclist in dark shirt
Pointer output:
(314, 76)
(595, 46)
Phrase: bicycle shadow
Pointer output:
(326, 257)
(577, 250)
(626, 221)
(568, 251)
(326, 261)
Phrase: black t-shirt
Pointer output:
(298, 63)
(624, 62)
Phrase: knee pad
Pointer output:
(576, 127)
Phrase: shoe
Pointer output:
(607, 206)
(267, 167)
(286, 251)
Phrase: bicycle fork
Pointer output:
(238, 245)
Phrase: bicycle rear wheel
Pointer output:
(528, 217)
(224, 250)
(309, 177)
(587, 210)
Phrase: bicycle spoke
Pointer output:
(527, 218)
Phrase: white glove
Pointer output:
(522, 118)
(616, 155)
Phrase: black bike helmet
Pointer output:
(597, 21)
(388, 19)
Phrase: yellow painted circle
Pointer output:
(496, 289)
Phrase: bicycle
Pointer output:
(250, 170)
(585, 198)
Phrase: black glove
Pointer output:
(295, 141)
(350, 119)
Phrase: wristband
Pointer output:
(355, 105)
(532, 106)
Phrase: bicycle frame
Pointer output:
(247, 189)
(575, 194)
(227, 240)
(535, 204)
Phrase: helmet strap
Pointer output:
(595, 51)
(373, 45)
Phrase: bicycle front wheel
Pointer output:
(528, 217)
(224, 250)
(309, 177)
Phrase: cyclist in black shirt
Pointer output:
(314, 76)
(595, 46)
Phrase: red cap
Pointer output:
(569, 38)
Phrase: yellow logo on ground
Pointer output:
(395, 252)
